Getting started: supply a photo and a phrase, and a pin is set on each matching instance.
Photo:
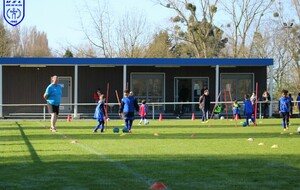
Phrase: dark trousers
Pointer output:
(204, 114)
(285, 119)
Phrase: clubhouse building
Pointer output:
(24, 80)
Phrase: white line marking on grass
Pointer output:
(117, 164)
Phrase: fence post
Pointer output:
(153, 116)
(44, 113)
(259, 110)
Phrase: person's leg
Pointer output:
(127, 123)
(51, 111)
(55, 116)
(248, 116)
(142, 118)
(287, 121)
(102, 126)
(97, 127)
(253, 120)
(146, 121)
(284, 120)
(55, 119)
(130, 125)
(52, 121)
(203, 114)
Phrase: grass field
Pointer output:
(182, 154)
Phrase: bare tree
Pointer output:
(85, 50)
(29, 42)
(100, 28)
(297, 7)
(246, 17)
(290, 32)
(132, 35)
(4, 40)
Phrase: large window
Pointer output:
(188, 89)
(237, 85)
(148, 86)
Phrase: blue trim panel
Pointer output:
(138, 61)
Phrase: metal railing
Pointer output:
(80, 110)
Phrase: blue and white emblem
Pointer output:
(14, 11)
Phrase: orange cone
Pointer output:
(158, 186)
(160, 117)
(69, 118)
(193, 116)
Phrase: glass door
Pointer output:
(66, 97)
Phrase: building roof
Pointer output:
(137, 61)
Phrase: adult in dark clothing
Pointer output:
(204, 105)
(266, 98)
(203, 89)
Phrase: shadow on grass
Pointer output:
(35, 158)
(138, 172)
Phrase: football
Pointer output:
(125, 130)
(244, 124)
(222, 117)
(298, 130)
(116, 130)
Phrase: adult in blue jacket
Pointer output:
(284, 109)
(53, 96)
(128, 106)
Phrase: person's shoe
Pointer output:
(140, 124)
(206, 121)
(284, 129)
(287, 127)
(129, 131)
(53, 130)
(95, 131)
(203, 122)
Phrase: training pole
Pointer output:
(217, 101)
(256, 102)
(226, 103)
(119, 102)
(117, 95)
(234, 118)
(107, 89)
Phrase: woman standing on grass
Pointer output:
(266, 99)
(204, 105)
